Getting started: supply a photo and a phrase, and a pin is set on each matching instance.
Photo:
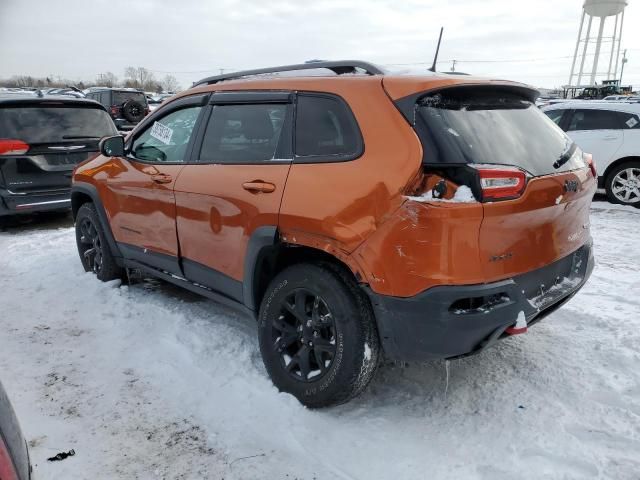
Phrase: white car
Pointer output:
(610, 131)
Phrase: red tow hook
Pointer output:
(519, 327)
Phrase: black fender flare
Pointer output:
(91, 191)
(260, 242)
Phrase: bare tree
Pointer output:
(139, 77)
(107, 79)
(170, 83)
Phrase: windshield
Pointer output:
(50, 124)
(120, 97)
(493, 128)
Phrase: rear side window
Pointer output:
(491, 126)
(602, 120)
(325, 129)
(54, 124)
(245, 134)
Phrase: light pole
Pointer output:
(624, 60)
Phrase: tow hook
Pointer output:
(519, 327)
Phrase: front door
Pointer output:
(233, 186)
(139, 199)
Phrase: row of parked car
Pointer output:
(42, 139)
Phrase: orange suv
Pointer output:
(353, 213)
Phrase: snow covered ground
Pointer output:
(149, 381)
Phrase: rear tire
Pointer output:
(317, 334)
(93, 248)
(623, 184)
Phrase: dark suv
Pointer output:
(126, 106)
(42, 139)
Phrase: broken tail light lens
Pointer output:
(13, 147)
(588, 160)
(500, 182)
(7, 469)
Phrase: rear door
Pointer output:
(138, 189)
(56, 135)
(234, 186)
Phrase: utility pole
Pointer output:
(624, 60)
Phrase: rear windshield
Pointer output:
(492, 127)
(120, 97)
(54, 124)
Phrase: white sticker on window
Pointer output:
(632, 122)
(161, 132)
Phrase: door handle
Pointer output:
(258, 186)
(610, 137)
(161, 178)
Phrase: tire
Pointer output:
(623, 184)
(318, 313)
(133, 111)
(93, 247)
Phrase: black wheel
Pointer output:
(317, 335)
(623, 184)
(92, 246)
(132, 111)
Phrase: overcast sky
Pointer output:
(191, 39)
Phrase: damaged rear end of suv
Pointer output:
(494, 235)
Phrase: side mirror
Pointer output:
(112, 146)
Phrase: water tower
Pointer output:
(602, 10)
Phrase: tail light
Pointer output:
(501, 182)
(13, 147)
(114, 110)
(7, 469)
(588, 160)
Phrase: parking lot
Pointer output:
(147, 381)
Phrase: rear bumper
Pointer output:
(453, 321)
(13, 203)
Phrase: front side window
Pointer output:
(602, 120)
(166, 140)
(244, 133)
(555, 115)
(325, 127)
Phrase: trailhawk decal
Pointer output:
(162, 133)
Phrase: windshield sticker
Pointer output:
(632, 122)
(161, 132)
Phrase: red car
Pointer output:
(14, 456)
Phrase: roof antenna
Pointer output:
(435, 58)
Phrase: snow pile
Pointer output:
(463, 195)
(149, 381)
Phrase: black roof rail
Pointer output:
(339, 67)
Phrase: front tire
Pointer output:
(93, 247)
(623, 184)
(317, 335)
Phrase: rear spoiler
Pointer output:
(407, 104)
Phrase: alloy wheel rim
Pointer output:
(92, 246)
(626, 185)
(304, 336)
